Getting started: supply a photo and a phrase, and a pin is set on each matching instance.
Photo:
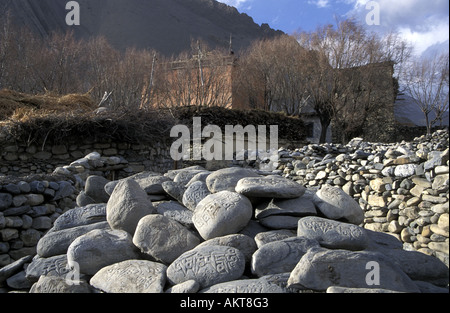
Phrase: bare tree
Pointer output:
(427, 83)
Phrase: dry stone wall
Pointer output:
(403, 188)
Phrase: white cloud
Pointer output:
(319, 3)
(423, 23)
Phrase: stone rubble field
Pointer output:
(239, 230)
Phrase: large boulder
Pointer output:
(222, 214)
(227, 179)
(127, 205)
(163, 238)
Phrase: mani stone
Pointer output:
(195, 193)
(333, 234)
(208, 266)
(227, 179)
(321, 268)
(99, 248)
(132, 276)
(270, 187)
(163, 239)
(175, 211)
(127, 205)
(57, 242)
(90, 214)
(175, 190)
(243, 243)
(274, 235)
(222, 214)
(53, 284)
(335, 204)
(252, 286)
(53, 266)
(280, 256)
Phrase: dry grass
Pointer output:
(20, 107)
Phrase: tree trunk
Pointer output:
(325, 123)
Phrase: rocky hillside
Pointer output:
(164, 25)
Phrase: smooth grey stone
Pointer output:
(195, 193)
(90, 214)
(53, 266)
(333, 234)
(280, 256)
(132, 276)
(208, 266)
(127, 205)
(227, 179)
(95, 189)
(175, 190)
(302, 206)
(335, 204)
(100, 248)
(321, 268)
(252, 286)
(175, 211)
(57, 242)
(280, 221)
(163, 238)
(222, 214)
(54, 285)
(274, 235)
(270, 187)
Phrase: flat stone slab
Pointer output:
(274, 235)
(208, 266)
(321, 268)
(132, 276)
(252, 286)
(90, 214)
(333, 234)
(270, 187)
(175, 211)
(54, 284)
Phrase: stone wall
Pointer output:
(402, 187)
(20, 159)
(27, 212)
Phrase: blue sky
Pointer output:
(422, 22)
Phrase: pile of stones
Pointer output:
(27, 212)
(403, 187)
(231, 230)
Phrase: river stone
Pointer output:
(53, 266)
(57, 242)
(280, 256)
(243, 243)
(54, 285)
(274, 235)
(333, 234)
(222, 214)
(127, 205)
(270, 187)
(184, 177)
(335, 204)
(5, 201)
(195, 193)
(99, 248)
(227, 179)
(175, 211)
(163, 239)
(321, 268)
(150, 182)
(90, 214)
(302, 206)
(252, 286)
(95, 189)
(208, 266)
(132, 276)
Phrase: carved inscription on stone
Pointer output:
(208, 266)
(333, 234)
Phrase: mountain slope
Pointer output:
(165, 25)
